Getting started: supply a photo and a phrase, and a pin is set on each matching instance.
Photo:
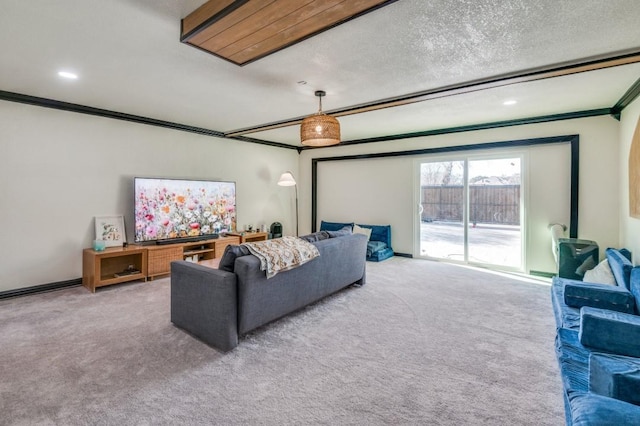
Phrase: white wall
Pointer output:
(548, 192)
(60, 169)
(598, 195)
(629, 227)
(369, 191)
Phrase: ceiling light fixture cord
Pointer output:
(320, 94)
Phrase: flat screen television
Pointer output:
(172, 210)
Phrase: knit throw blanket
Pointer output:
(282, 254)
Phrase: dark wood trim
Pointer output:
(357, 15)
(629, 96)
(541, 73)
(314, 194)
(40, 288)
(211, 20)
(484, 126)
(454, 148)
(542, 274)
(575, 186)
(264, 142)
(574, 140)
(239, 3)
(410, 256)
(294, 42)
(83, 109)
(211, 53)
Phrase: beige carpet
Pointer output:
(423, 343)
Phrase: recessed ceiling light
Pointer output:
(68, 75)
(511, 102)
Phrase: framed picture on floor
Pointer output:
(111, 230)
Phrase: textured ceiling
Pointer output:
(130, 59)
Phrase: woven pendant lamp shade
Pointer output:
(320, 129)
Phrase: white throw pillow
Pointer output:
(600, 274)
(364, 231)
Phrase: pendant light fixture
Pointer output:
(320, 129)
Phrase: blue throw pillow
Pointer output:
(374, 247)
(334, 226)
(341, 233)
(316, 236)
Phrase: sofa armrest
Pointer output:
(204, 303)
(620, 267)
(578, 294)
(589, 409)
(615, 376)
(610, 331)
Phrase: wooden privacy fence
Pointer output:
(499, 204)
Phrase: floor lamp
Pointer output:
(287, 179)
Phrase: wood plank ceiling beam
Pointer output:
(244, 31)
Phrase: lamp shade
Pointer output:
(287, 179)
(320, 130)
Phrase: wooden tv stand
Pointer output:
(160, 257)
(249, 237)
(117, 264)
(113, 266)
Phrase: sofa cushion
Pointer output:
(596, 410)
(610, 331)
(635, 287)
(340, 233)
(231, 252)
(600, 274)
(615, 376)
(620, 267)
(375, 246)
(364, 231)
(379, 233)
(316, 236)
(380, 255)
(565, 316)
(334, 226)
(578, 294)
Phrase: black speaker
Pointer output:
(276, 230)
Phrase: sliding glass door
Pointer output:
(442, 210)
(470, 211)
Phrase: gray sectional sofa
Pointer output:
(218, 306)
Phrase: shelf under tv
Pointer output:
(192, 252)
(141, 262)
(187, 239)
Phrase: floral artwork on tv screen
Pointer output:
(174, 208)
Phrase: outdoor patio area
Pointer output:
(488, 243)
